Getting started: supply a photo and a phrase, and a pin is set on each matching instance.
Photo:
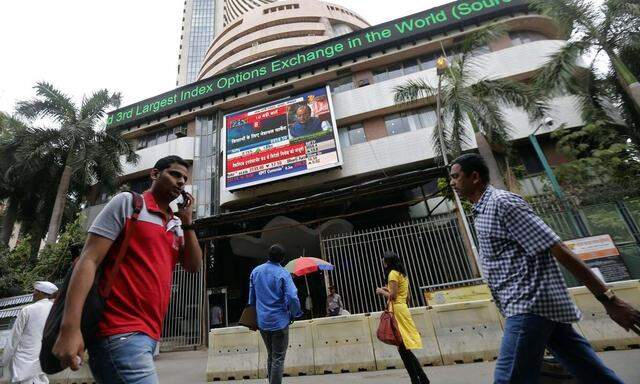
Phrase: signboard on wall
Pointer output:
(278, 140)
(602, 256)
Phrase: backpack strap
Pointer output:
(137, 207)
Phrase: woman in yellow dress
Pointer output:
(396, 292)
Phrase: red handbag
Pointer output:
(388, 331)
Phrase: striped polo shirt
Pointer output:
(140, 295)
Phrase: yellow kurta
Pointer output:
(410, 335)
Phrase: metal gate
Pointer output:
(431, 250)
(183, 324)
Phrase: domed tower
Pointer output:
(275, 29)
(202, 20)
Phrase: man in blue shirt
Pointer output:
(519, 256)
(306, 124)
(272, 292)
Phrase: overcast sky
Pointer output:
(129, 46)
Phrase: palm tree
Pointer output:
(87, 155)
(607, 29)
(470, 102)
(11, 129)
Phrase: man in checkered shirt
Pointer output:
(518, 254)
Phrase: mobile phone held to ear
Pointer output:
(185, 199)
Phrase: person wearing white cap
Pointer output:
(22, 351)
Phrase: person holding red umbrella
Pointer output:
(275, 297)
(302, 266)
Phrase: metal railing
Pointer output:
(430, 248)
(182, 328)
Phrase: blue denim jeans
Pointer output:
(123, 359)
(525, 338)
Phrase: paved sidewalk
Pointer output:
(189, 367)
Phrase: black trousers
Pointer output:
(413, 367)
(276, 343)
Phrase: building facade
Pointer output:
(386, 173)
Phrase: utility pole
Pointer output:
(555, 186)
(441, 66)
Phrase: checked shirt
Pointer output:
(514, 246)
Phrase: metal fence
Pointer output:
(430, 248)
(182, 327)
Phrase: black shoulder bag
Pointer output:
(93, 305)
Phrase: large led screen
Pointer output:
(285, 138)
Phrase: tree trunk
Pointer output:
(58, 206)
(626, 79)
(487, 154)
(8, 221)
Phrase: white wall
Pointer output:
(183, 147)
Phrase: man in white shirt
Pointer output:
(21, 354)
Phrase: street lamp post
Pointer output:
(441, 66)
(555, 186)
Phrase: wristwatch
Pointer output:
(606, 296)
(187, 227)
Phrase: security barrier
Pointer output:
(451, 333)
(430, 353)
(602, 332)
(387, 357)
(435, 296)
(342, 344)
(467, 332)
(233, 354)
(299, 358)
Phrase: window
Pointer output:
(352, 135)
(426, 118)
(151, 139)
(380, 75)
(410, 121)
(342, 84)
(524, 37)
(396, 124)
(343, 134)
(410, 66)
(162, 137)
(356, 134)
(394, 71)
(159, 137)
(428, 61)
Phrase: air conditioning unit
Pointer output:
(180, 131)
